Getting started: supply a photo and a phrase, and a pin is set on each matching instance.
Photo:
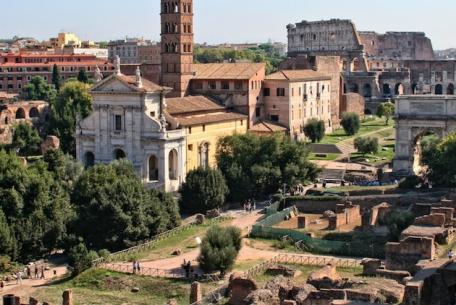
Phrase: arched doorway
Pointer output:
(119, 154)
(399, 89)
(20, 114)
(153, 168)
(414, 88)
(34, 113)
(367, 91)
(173, 164)
(422, 141)
(345, 88)
(204, 155)
(89, 159)
(386, 90)
(450, 89)
(438, 89)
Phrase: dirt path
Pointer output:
(29, 285)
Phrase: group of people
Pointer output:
(249, 206)
(188, 269)
(136, 267)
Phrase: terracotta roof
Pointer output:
(7, 95)
(263, 126)
(296, 75)
(230, 71)
(59, 64)
(146, 84)
(209, 118)
(191, 104)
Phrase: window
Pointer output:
(280, 91)
(152, 114)
(118, 122)
(266, 92)
(257, 112)
(190, 147)
(212, 85)
(292, 91)
(153, 168)
(238, 85)
(204, 155)
(204, 128)
(274, 118)
(225, 85)
(189, 130)
(198, 85)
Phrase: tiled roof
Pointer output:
(59, 64)
(191, 104)
(236, 71)
(210, 118)
(146, 84)
(263, 126)
(296, 75)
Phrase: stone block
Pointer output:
(196, 292)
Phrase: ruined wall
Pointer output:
(398, 45)
(345, 215)
(353, 102)
(405, 254)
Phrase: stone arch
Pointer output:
(414, 88)
(386, 90)
(89, 159)
(173, 164)
(119, 154)
(355, 64)
(438, 90)
(354, 88)
(415, 149)
(399, 89)
(20, 113)
(450, 89)
(153, 168)
(367, 90)
(34, 113)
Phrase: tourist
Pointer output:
(36, 271)
(450, 254)
(29, 272)
(134, 267)
(19, 277)
(138, 268)
(324, 184)
(254, 205)
(42, 273)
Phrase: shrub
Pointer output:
(315, 130)
(204, 190)
(367, 145)
(398, 222)
(80, 259)
(219, 249)
(386, 110)
(5, 263)
(103, 253)
(351, 123)
(410, 182)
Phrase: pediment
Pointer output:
(113, 84)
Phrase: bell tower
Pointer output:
(176, 45)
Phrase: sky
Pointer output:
(219, 21)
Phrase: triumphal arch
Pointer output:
(417, 116)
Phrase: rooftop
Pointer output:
(298, 75)
(191, 104)
(267, 127)
(236, 71)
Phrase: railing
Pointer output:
(153, 272)
(154, 240)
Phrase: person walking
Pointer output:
(36, 272)
(42, 273)
(134, 267)
(19, 277)
(138, 267)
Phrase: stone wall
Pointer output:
(378, 212)
(405, 254)
(353, 102)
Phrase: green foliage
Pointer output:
(82, 76)
(398, 222)
(410, 182)
(315, 130)
(367, 145)
(65, 169)
(203, 190)
(386, 110)
(39, 89)
(351, 123)
(264, 53)
(219, 249)
(441, 161)
(6, 238)
(5, 264)
(80, 259)
(26, 140)
(115, 210)
(255, 166)
(73, 101)
(56, 78)
(429, 148)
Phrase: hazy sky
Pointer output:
(219, 21)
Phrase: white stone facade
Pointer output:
(125, 123)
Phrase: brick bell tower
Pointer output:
(176, 45)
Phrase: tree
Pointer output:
(114, 208)
(82, 76)
(65, 168)
(203, 190)
(398, 222)
(219, 249)
(315, 130)
(80, 259)
(255, 166)
(367, 145)
(73, 101)
(39, 89)
(351, 123)
(386, 110)
(56, 77)
(441, 161)
(6, 238)
(26, 140)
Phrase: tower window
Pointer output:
(118, 122)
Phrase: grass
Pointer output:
(382, 157)
(329, 157)
(184, 241)
(369, 126)
(351, 188)
(100, 287)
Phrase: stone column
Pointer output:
(196, 293)
(67, 297)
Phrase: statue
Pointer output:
(117, 65)
(98, 75)
(163, 122)
(138, 78)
